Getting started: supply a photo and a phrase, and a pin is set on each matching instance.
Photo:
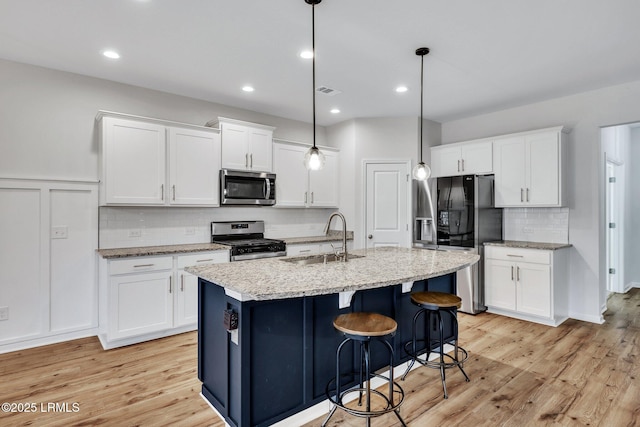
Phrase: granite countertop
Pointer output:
(274, 278)
(206, 247)
(160, 250)
(530, 245)
(332, 236)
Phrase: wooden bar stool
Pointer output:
(434, 304)
(364, 328)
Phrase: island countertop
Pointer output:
(274, 278)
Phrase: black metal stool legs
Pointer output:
(444, 360)
(363, 387)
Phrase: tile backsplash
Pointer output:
(536, 224)
(126, 227)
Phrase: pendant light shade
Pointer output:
(421, 171)
(313, 159)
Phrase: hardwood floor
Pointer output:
(522, 374)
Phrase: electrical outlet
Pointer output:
(189, 231)
(527, 230)
(4, 313)
(60, 232)
(135, 233)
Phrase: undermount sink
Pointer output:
(318, 259)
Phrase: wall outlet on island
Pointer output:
(527, 230)
(4, 313)
(189, 231)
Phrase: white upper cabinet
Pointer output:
(194, 158)
(152, 162)
(463, 158)
(528, 169)
(246, 146)
(133, 162)
(298, 187)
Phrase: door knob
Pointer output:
(370, 236)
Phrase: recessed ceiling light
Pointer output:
(335, 111)
(401, 89)
(247, 88)
(111, 54)
(306, 54)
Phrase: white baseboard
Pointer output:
(46, 340)
(587, 318)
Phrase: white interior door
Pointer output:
(615, 282)
(387, 204)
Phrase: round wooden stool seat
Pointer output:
(436, 300)
(365, 324)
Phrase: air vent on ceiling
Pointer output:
(325, 90)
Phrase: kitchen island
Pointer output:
(277, 359)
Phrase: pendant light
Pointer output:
(421, 171)
(313, 159)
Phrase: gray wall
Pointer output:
(584, 113)
(395, 138)
(48, 119)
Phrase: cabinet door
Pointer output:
(500, 285)
(477, 158)
(133, 162)
(260, 149)
(140, 304)
(323, 184)
(510, 183)
(194, 162)
(235, 140)
(186, 299)
(534, 289)
(291, 175)
(543, 166)
(186, 290)
(446, 161)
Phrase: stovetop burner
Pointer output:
(246, 240)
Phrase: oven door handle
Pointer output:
(267, 188)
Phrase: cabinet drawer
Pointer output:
(140, 264)
(303, 249)
(216, 257)
(535, 256)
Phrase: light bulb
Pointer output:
(314, 159)
(421, 171)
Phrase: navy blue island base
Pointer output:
(285, 351)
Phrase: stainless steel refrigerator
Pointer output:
(461, 215)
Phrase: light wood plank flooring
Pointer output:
(522, 374)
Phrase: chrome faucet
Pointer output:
(342, 252)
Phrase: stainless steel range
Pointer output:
(246, 239)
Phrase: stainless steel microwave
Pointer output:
(247, 188)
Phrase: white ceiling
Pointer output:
(485, 55)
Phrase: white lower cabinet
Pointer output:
(528, 284)
(144, 298)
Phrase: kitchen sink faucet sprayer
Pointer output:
(342, 252)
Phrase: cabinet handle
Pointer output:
(512, 273)
(305, 250)
(305, 197)
(174, 192)
(462, 165)
(527, 194)
(522, 195)
(143, 265)
(205, 260)
(246, 160)
(162, 192)
(182, 283)
(312, 197)
(170, 283)
(458, 165)
(518, 274)
(516, 256)
(251, 160)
